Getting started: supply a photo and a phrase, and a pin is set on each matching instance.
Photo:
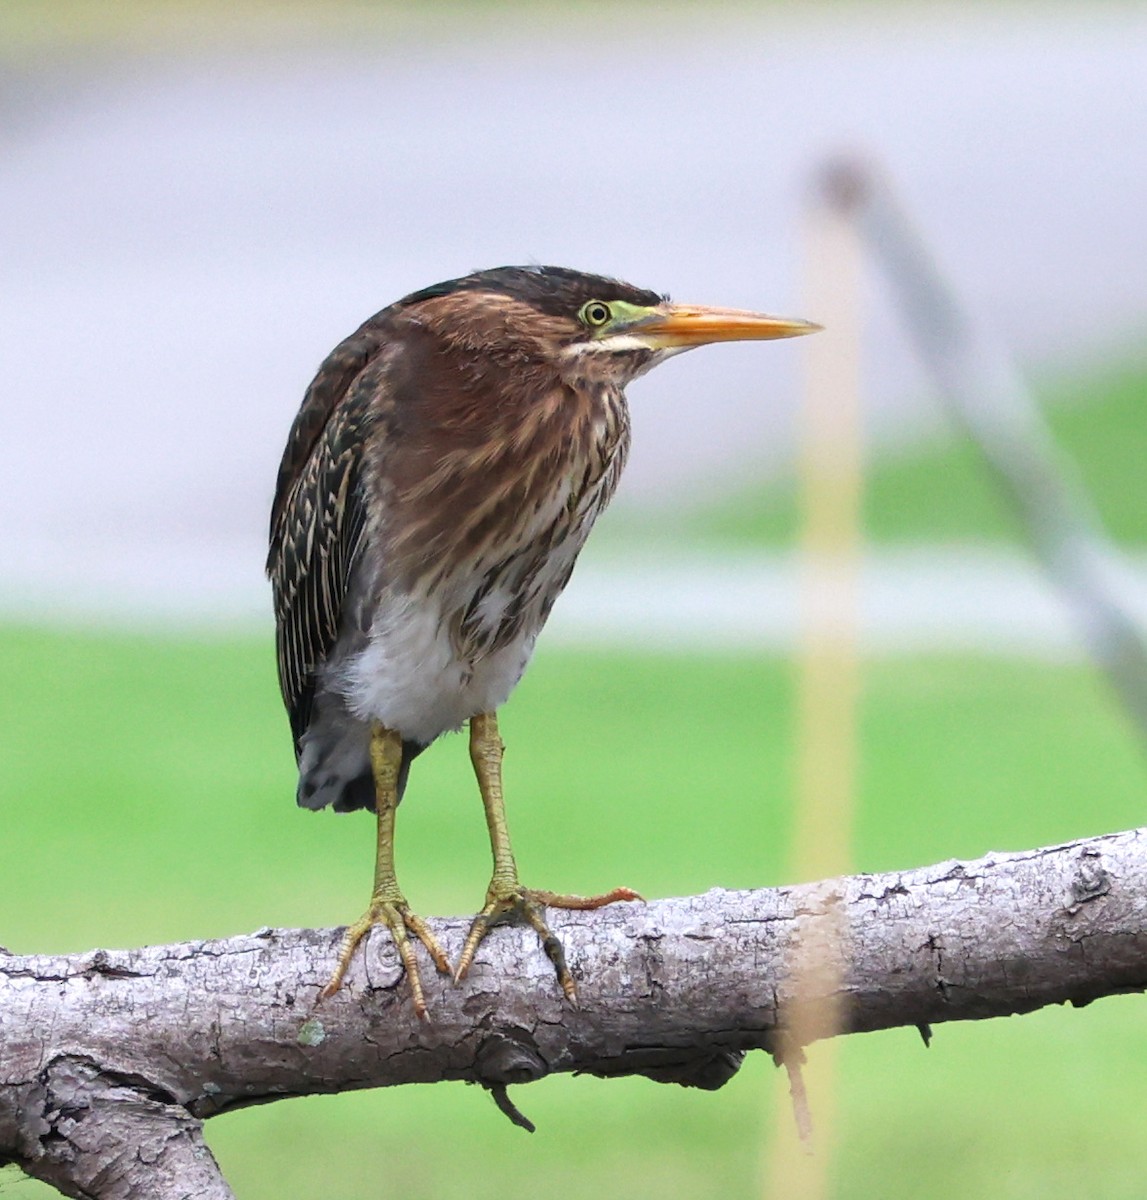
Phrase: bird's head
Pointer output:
(583, 326)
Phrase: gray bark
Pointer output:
(111, 1060)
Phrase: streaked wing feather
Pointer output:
(328, 389)
(314, 546)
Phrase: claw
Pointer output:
(397, 917)
(511, 903)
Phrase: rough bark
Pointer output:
(110, 1060)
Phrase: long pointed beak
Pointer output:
(679, 326)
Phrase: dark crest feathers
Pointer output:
(556, 291)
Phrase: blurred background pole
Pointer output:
(983, 391)
(827, 669)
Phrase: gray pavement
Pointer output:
(185, 237)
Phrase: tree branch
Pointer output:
(110, 1060)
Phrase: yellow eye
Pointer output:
(595, 314)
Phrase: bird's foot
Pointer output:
(395, 914)
(507, 902)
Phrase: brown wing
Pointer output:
(318, 522)
(328, 389)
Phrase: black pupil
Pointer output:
(598, 314)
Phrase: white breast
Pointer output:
(410, 678)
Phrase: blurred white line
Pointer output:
(910, 601)
(960, 598)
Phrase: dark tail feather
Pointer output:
(359, 791)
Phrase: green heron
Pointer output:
(442, 474)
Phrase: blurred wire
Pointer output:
(985, 394)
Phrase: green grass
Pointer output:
(943, 492)
(147, 797)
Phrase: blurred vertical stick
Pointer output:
(984, 392)
(828, 675)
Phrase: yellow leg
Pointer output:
(387, 904)
(506, 899)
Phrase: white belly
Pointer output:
(411, 679)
